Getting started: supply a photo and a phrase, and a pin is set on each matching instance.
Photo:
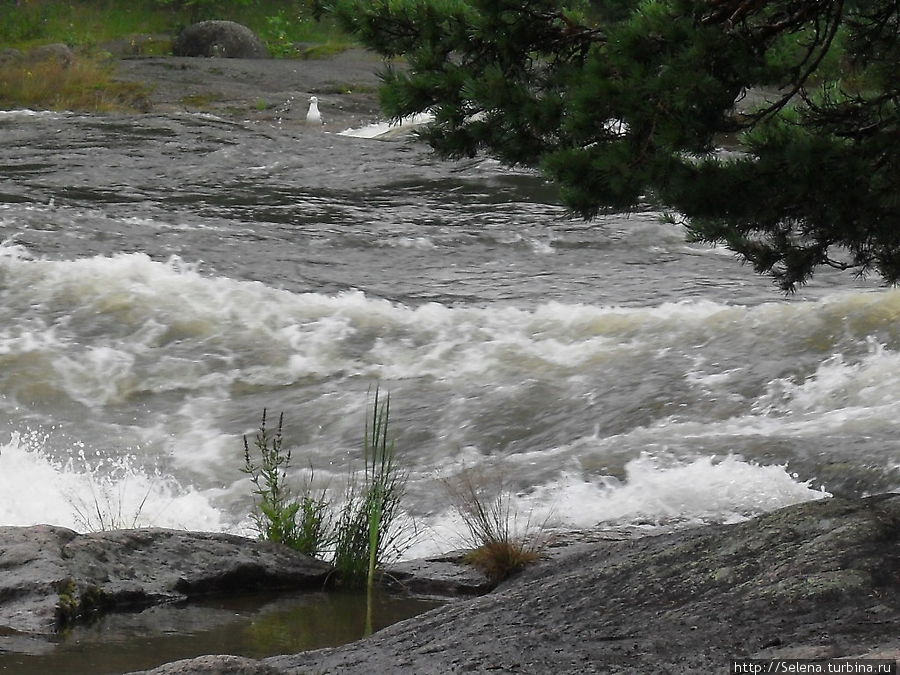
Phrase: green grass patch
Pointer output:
(286, 26)
(80, 24)
(324, 51)
(84, 85)
(201, 100)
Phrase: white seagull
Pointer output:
(312, 115)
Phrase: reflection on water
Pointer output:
(254, 626)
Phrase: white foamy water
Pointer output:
(150, 310)
(88, 493)
(653, 493)
(387, 129)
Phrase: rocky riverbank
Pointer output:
(813, 581)
(816, 580)
(274, 91)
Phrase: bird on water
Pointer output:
(312, 115)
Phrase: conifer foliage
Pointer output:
(620, 101)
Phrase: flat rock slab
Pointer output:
(272, 92)
(51, 577)
(444, 576)
(215, 665)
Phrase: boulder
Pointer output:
(11, 56)
(53, 576)
(225, 39)
(58, 52)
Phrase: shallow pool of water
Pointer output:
(254, 626)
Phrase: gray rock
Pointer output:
(33, 572)
(53, 576)
(225, 39)
(11, 55)
(818, 578)
(444, 576)
(57, 52)
(214, 665)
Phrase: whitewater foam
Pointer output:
(656, 491)
(90, 493)
(382, 129)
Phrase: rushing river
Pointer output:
(165, 278)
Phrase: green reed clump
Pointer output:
(299, 522)
(366, 533)
(361, 532)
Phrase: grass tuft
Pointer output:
(499, 559)
(501, 541)
(84, 84)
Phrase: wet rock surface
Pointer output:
(215, 665)
(817, 580)
(267, 91)
(53, 577)
(441, 576)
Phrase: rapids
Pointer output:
(165, 278)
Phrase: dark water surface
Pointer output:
(253, 626)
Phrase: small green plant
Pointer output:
(276, 36)
(366, 532)
(500, 542)
(75, 603)
(360, 534)
(302, 523)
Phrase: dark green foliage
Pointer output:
(198, 10)
(620, 102)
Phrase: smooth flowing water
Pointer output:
(165, 278)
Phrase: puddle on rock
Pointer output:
(255, 626)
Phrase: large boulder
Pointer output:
(11, 56)
(225, 39)
(58, 52)
(53, 576)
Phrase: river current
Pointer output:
(165, 278)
